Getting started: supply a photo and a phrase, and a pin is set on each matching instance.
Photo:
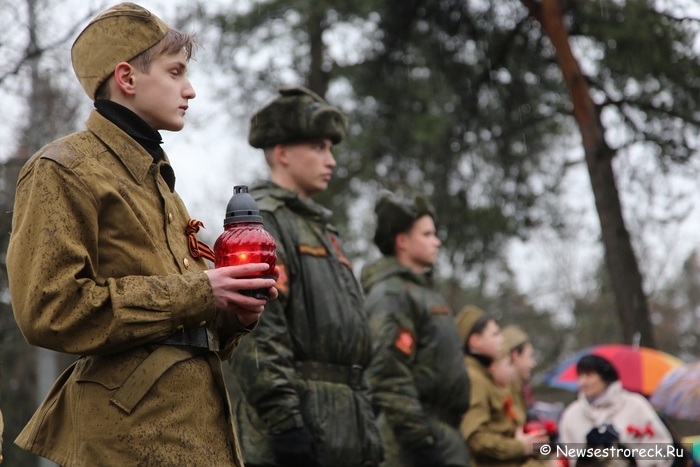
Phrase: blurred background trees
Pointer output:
(463, 100)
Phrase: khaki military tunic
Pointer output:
(418, 376)
(490, 423)
(519, 402)
(99, 266)
(318, 321)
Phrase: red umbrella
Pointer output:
(640, 368)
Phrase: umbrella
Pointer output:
(640, 368)
(678, 394)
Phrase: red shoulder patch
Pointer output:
(282, 279)
(405, 341)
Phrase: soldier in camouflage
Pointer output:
(304, 392)
(418, 375)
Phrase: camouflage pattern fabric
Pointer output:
(418, 376)
(318, 317)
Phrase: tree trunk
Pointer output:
(620, 259)
(317, 77)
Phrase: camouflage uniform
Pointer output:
(304, 364)
(417, 372)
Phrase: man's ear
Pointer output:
(280, 154)
(400, 241)
(474, 341)
(124, 78)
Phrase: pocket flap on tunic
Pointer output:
(110, 370)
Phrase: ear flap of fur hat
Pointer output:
(298, 114)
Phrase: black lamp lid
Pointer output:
(242, 207)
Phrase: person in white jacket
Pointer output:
(603, 401)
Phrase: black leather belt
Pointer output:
(193, 337)
(331, 373)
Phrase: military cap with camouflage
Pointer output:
(395, 216)
(116, 35)
(298, 114)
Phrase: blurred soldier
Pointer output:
(306, 395)
(103, 262)
(517, 343)
(418, 377)
(490, 427)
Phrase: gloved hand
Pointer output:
(295, 448)
(428, 456)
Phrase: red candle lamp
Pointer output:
(244, 241)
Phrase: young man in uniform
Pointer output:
(306, 398)
(490, 427)
(419, 381)
(104, 262)
(517, 343)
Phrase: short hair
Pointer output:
(520, 347)
(269, 153)
(478, 328)
(388, 246)
(173, 42)
(397, 216)
(599, 365)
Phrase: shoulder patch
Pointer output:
(440, 310)
(312, 250)
(405, 341)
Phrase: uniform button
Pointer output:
(170, 217)
(186, 262)
(204, 321)
(180, 327)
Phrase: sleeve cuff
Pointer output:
(192, 300)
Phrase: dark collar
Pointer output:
(482, 359)
(132, 125)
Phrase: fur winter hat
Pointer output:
(116, 35)
(298, 114)
(395, 216)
